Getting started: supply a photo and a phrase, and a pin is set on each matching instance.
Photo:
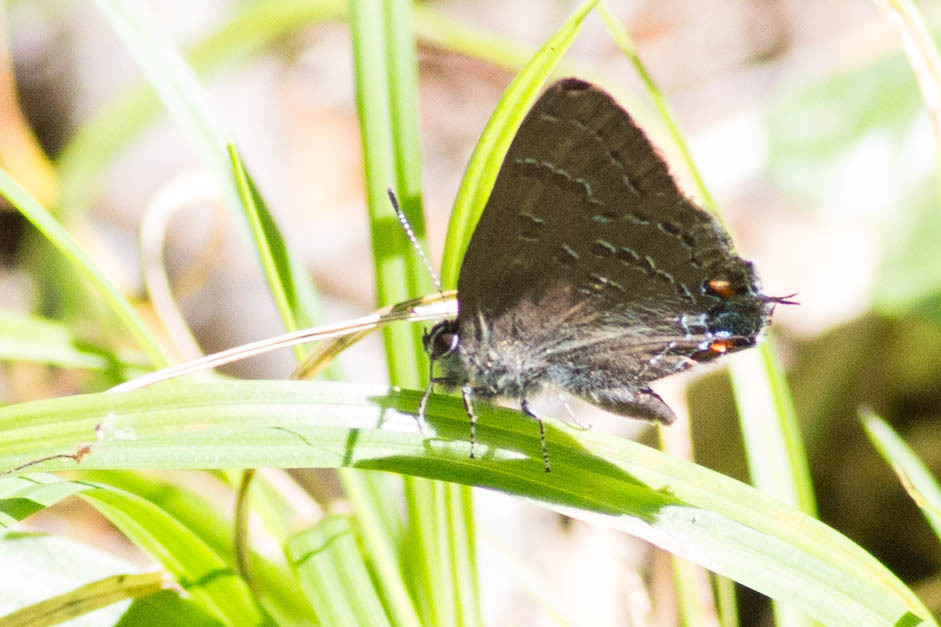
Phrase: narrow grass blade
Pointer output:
(912, 472)
(29, 338)
(59, 237)
(120, 121)
(334, 576)
(291, 288)
(87, 598)
(386, 103)
(276, 585)
(200, 572)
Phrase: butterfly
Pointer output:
(591, 272)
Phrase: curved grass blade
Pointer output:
(199, 570)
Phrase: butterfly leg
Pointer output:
(468, 395)
(426, 395)
(524, 405)
(573, 419)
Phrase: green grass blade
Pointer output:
(290, 286)
(687, 582)
(386, 103)
(495, 140)
(424, 558)
(168, 609)
(178, 87)
(453, 503)
(726, 602)
(88, 598)
(381, 529)
(276, 586)
(912, 472)
(29, 338)
(404, 122)
(193, 562)
(46, 580)
(58, 236)
(121, 120)
(776, 456)
(200, 571)
(394, 258)
(712, 520)
(174, 81)
(296, 300)
(21, 497)
(460, 512)
(333, 575)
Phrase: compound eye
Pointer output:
(442, 340)
(445, 344)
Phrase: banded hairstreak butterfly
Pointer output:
(590, 271)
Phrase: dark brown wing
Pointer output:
(590, 268)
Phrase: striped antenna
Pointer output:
(407, 227)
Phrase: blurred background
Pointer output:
(803, 116)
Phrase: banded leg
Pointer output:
(524, 405)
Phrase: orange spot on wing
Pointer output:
(721, 287)
(721, 346)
